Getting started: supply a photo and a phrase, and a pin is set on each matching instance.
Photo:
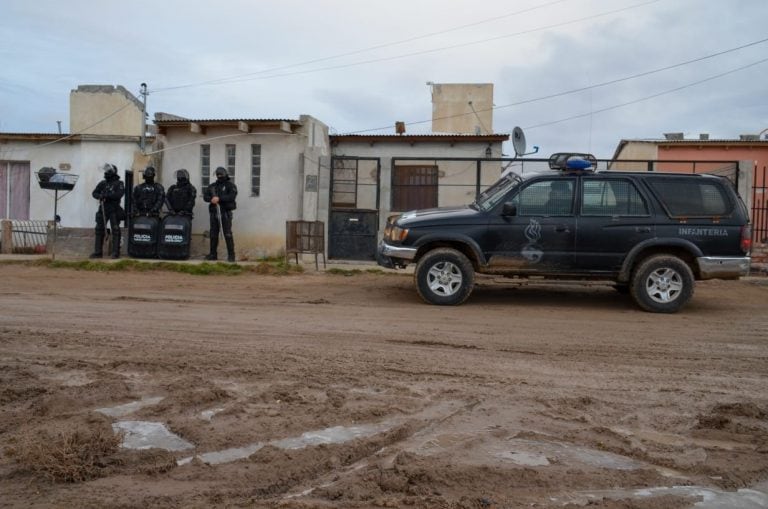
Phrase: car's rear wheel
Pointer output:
(662, 284)
(444, 277)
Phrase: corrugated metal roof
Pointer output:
(71, 137)
(694, 141)
(224, 120)
(432, 136)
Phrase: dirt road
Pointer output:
(320, 390)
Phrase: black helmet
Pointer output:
(110, 171)
(182, 176)
(221, 173)
(149, 173)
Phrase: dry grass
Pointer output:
(69, 456)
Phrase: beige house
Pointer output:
(275, 163)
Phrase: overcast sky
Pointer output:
(360, 65)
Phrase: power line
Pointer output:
(417, 53)
(363, 50)
(653, 96)
(82, 131)
(582, 89)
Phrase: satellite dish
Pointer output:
(518, 141)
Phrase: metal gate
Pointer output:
(354, 211)
(760, 206)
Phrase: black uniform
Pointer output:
(148, 198)
(109, 192)
(181, 195)
(226, 190)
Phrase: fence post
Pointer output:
(7, 240)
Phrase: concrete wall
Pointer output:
(114, 110)
(85, 159)
(286, 162)
(452, 113)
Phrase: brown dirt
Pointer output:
(524, 396)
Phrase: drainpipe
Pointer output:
(143, 116)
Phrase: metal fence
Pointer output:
(760, 206)
(27, 237)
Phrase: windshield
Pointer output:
(494, 194)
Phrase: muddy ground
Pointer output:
(347, 391)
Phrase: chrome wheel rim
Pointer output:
(444, 279)
(664, 285)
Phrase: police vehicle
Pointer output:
(652, 234)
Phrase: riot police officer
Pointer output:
(181, 195)
(109, 192)
(221, 196)
(148, 197)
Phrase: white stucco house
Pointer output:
(105, 127)
(275, 163)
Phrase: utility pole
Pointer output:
(144, 94)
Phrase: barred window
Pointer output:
(255, 170)
(414, 187)
(230, 153)
(344, 182)
(205, 164)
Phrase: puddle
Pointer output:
(334, 435)
(208, 414)
(129, 408)
(149, 435)
(535, 452)
(524, 458)
(709, 498)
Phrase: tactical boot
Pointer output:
(98, 247)
(230, 248)
(116, 246)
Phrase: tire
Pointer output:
(662, 284)
(444, 277)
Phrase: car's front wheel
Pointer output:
(662, 284)
(444, 277)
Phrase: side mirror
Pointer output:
(509, 209)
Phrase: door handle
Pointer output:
(562, 228)
(643, 229)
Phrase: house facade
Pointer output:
(275, 164)
(105, 127)
(374, 176)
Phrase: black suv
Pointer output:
(651, 234)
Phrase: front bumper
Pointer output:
(723, 267)
(394, 256)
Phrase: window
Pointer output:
(414, 187)
(344, 183)
(691, 197)
(205, 164)
(255, 170)
(611, 198)
(230, 154)
(546, 198)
